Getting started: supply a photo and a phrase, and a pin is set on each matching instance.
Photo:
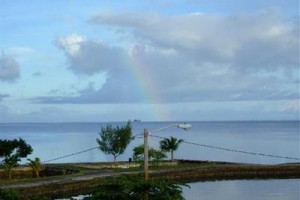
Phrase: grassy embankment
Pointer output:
(85, 177)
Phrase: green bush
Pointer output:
(8, 195)
(136, 188)
(11, 195)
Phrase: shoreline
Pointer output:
(199, 171)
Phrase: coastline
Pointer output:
(83, 183)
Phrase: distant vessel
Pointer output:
(136, 120)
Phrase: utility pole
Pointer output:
(146, 158)
(146, 145)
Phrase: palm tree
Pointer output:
(8, 168)
(170, 145)
(36, 166)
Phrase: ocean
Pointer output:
(54, 140)
(261, 142)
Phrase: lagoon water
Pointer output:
(54, 140)
(239, 189)
(244, 190)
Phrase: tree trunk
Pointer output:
(9, 175)
(37, 174)
(172, 158)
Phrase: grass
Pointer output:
(182, 172)
(91, 168)
(96, 168)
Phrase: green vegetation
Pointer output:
(155, 155)
(170, 145)
(136, 188)
(36, 166)
(12, 151)
(8, 195)
(114, 140)
(11, 195)
(180, 171)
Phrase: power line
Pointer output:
(80, 152)
(187, 142)
(72, 154)
(232, 150)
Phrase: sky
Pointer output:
(153, 60)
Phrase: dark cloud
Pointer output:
(9, 68)
(37, 74)
(89, 57)
(119, 93)
(2, 96)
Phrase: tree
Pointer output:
(155, 155)
(114, 140)
(138, 153)
(36, 166)
(8, 168)
(170, 145)
(12, 151)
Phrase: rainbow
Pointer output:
(147, 87)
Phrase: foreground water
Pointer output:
(245, 190)
(240, 189)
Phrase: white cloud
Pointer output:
(71, 44)
(291, 106)
(264, 40)
(9, 68)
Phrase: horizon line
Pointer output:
(153, 121)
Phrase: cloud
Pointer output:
(12, 114)
(118, 91)
(2, 96)
(6, 114)
(9, 68)
(289, 7)
(187, 58)
(70, 44)
(89, 57)
(291, 106)
(264, 41)
(3, 109)
(37, 74)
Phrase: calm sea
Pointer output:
(53, 140)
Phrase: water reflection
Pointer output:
(287, 189)
(246, 190)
